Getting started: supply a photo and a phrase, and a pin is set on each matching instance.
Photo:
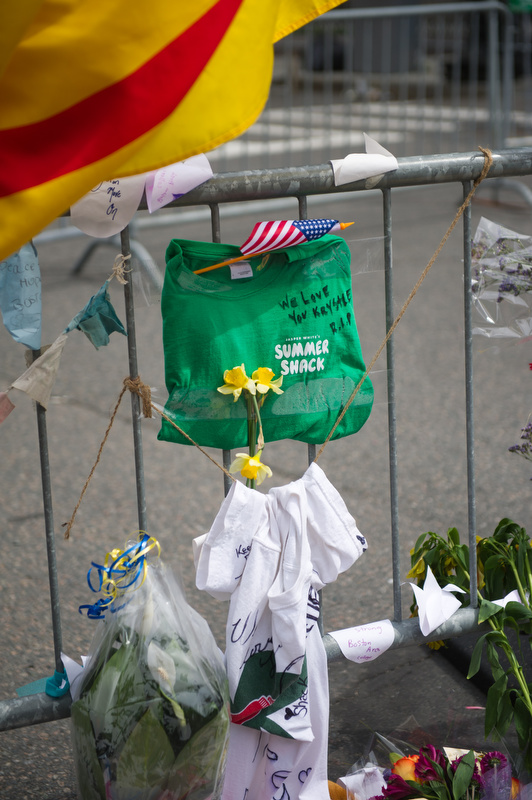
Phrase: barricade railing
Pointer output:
(420, 78)
(298, 185)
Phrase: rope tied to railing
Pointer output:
(142, 390)
(136, 386)
(119, 268)
(488, 161)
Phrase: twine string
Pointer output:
(136, 386)
(488, 161)
(119, 268)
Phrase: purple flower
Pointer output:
(396, 788)
(428, 757)
(491, 760)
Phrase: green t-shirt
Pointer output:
(293, 314)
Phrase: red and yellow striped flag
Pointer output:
(93, 90)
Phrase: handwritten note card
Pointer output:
(108, 208)
(169, 183)
(20, 296)
(365, 642)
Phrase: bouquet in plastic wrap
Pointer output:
(501, 260)
(150, 721)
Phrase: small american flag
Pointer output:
(285, 233)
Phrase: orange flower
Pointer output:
(516, 788)
(405, 767)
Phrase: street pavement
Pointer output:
(414, 692)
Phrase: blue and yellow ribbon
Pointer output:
(123, 571)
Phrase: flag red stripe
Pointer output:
(115, 116)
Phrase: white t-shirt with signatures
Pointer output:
(269, 555)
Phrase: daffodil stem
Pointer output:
(259, 420)
(252, 432)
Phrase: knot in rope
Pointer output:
(136, 386)
(119, 268)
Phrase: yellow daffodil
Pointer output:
(418, 570)
(235, 380)
(437, 645)
(263, 378)
(448, 565)
(251, 467)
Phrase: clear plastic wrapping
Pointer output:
(501, 282)
(151, 720)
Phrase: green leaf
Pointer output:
(117, 697)
(461, 554)
(418, 543)
(199, 765)
(453, 535)
(439, 789)
(517, 610)
(493, 658)
(88, 769)
(146, 757)
(522, 721)
(506, 714)
(487, 609)
(495, 705)
(462, 776)
(476, 656)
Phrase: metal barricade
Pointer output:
(298, 185)
(419, 78)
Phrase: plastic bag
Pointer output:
(501, 260)
(151, 720)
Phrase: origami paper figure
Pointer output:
(435, 604)
(97, 319)
(39, 378)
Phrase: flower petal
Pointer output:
(239, 462)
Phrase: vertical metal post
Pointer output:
(135, 400)
(494, 81)
(303, 214)
(49, 528)
(216, 235)
(470, 438)
(392, 431)
(508, 55)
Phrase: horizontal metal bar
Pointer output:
(33, 709)
(414, 10)
(407, 632)
(312, 180)
(37, 708)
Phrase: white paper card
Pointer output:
(365, 642)
(364, 783)
(358, 166)
(169, 183)
(108, 208)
